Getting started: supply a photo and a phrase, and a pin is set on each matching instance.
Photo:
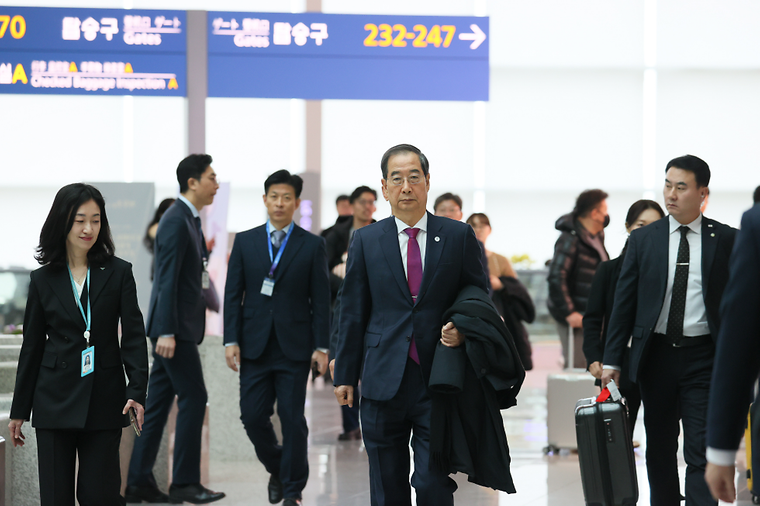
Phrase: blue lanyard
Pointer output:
(88, 318)
(276, 260)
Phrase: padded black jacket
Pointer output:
(572, 269)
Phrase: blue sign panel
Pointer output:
(335, 56)
(92, 51)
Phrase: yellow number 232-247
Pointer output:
(385, 35)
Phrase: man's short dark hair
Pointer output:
(359, 192)
(447, 196)
(756, 195)
(192, 166)
(587, 202)
(284, 177)
(693, 164)
(342, 198)
(403, 148)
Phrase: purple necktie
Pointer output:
(413, 277)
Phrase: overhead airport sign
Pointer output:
(337, 56)
(92, 51)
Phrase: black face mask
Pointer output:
(606, 220)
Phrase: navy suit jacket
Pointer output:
(48, 380)
(737, 358)
(641, 288)
(299, 308)
(378, 315)
(177, 306)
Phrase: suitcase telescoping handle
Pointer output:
(611, 390)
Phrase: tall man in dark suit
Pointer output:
(667, 298)
(176, 324)
(737, 359)
(276, 324)
(403, 273)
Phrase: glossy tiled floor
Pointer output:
(339, 470)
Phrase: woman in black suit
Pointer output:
(71, 367)
(600, 302)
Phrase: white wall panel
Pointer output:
(716, 116)
(556, 129)
(582, 33)
(708, 33)
(55, 140)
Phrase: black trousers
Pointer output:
(182, 376)
(675, 387)
(386, 428)
(273, 376)
(99, 479)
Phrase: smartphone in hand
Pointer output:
(133, 421)
(314, 370)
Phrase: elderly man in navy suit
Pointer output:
(668, 300)
(403, 273)
(276, 324)
(737, 359)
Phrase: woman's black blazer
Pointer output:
(48, 380)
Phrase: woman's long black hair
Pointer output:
(162, 207)
(52, 247)
(635, 211)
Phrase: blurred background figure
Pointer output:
(599, 308)
(343, 206)
(449, 205)
(150, 233)
(577, 253)
(509, 295)
(756, 196)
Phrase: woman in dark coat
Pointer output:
(72, 363)
(600, 302)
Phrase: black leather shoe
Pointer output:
(136, 494)
(195, 494)
(355, 434)
(275, 489)
(291, 501)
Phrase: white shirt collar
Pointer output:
(695, 226)
(422, 224)
(193, 210)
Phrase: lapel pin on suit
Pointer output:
(712, 235)
(102, 268)
(437, 239)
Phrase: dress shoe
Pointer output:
(355, 434)
(137, 494)
(291, 501)
(195, 494)
(275, 489)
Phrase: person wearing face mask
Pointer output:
(577, 253)
(601, 300)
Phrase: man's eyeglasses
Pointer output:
(399, 180)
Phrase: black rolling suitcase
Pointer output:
(605, 451)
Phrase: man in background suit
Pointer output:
(737, 359)
(276, 324)
(667, 298)
(176, 324)
(403, 273)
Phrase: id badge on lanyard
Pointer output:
(267, 287)
(88, 354)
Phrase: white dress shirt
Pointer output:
(193, 210)
(695, 316)
(403, 240)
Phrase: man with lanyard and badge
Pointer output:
(276, 326)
